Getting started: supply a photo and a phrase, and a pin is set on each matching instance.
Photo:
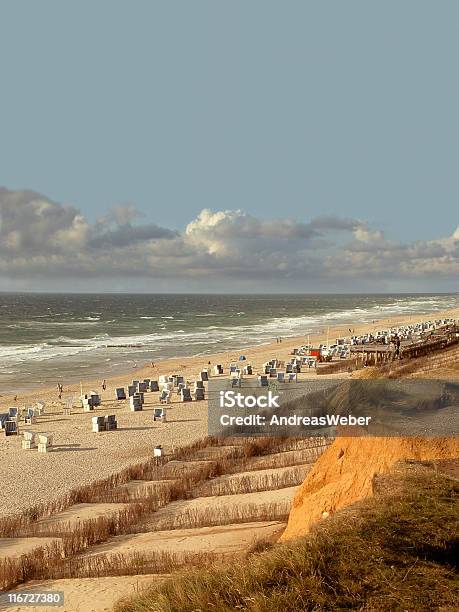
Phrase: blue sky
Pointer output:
(281, 109)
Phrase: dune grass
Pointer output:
(392, 552)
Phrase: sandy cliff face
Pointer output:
(344, 474)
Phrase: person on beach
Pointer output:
(104, 384)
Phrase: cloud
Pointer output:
(45, 242)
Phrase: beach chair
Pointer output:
(136, 403)
(263, 381)
(142, 387)
(157, 451)
(135, 382)
(13, 413)
(29, 417)
(154, 385)
(236, 381)
(147, 382)
(158, 414)
(163, 378)
(111, 422)
(3, 418)
(204, 375)
(45, 441)
(218, 369)
(198, 384)
(186, 394)
(280, 377)
(272, 372)
(95, 397)
(248, 370)
(11, 428)
(120, 393)
(40, 405)
(88, 405)
(292, 378)
(289, 368)
(68, 405)
(165, 396)
(98, 424)
(233, 368)
(131, 390)
(28, 441)
(199, 394)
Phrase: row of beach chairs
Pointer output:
(42, 441)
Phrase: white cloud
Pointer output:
(44, 240)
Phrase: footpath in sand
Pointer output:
(220, 539)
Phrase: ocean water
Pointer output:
(47, 338)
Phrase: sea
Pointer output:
(50, 338)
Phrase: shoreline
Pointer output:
(192, 364)
(80, 457)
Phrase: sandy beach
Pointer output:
(80, 456)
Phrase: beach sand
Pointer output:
(80, 456)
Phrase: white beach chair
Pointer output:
(45, 441)
(28, 441)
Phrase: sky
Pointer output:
(229, 146)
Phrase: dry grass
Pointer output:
(132, 564)
(249, 483)
(208, 516)
(48, 563)
(397, 552)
